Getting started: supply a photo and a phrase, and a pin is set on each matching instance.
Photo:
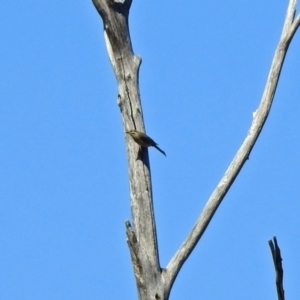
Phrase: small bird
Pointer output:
(144, 140)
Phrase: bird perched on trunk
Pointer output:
(144, 140)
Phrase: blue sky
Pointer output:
(63, 169)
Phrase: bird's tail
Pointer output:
(163, 152)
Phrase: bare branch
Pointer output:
(259, 118)
(277, 259)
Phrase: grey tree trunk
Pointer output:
(154, 282)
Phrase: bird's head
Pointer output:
(131, 132)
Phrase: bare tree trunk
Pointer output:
(141, 237)
(153, 282)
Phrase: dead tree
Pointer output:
(153, 281)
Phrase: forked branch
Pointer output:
(152, 281)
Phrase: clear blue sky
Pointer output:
(63, 169)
